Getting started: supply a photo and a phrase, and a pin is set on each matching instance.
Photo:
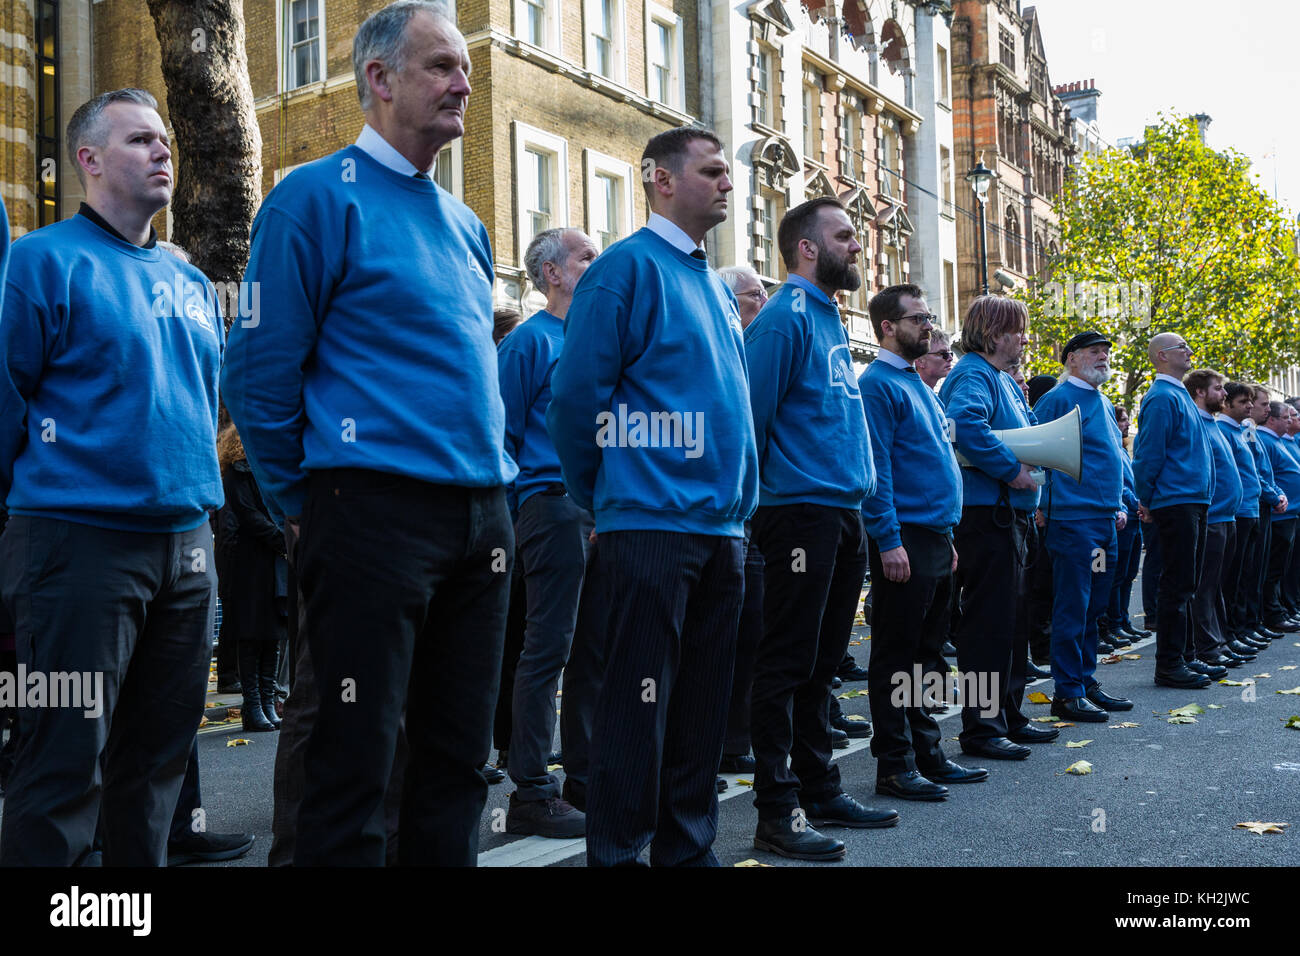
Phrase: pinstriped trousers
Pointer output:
(662, 711)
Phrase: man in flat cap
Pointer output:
(1082, 519)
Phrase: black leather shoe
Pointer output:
(1242, 651)
(854, 673)
(1182, 678)
(844, 811)
(794, 839)
(910, 786)
(491, 774)
(1265, 631)
(949, 772)
(208, 847)
(996, 748)
(1079, 708)
(1282, 627)
(854, 728)
(721, 785)
(949, 650)
(836, 683)
(1226, 659)
(1105, 701)
(1133, 633)
(839, 739)
(1247, 644)
(737, 763)
(1033, 734)
(1212, 671)
(1034, 672)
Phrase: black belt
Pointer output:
(555, 489)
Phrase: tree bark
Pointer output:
(210, 105)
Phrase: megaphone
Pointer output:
(1057, 444)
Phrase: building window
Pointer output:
(448, 170)
(609, 198)
(811, 122)
(541, 182)
(941, 67)
(48, 124)
(605, 39)
(538, 22)
(763, 87)
(950, 311)
(851, 142)
(1006, 49)
(306, 43)
(665, 81)
(945, 180)
(889, 184)
(766, 252)
(1011, 239)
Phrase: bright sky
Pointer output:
(1237, 62)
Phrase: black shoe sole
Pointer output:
(853, 825)
(1183, 685)
(790, 855)
(181, 859)
(948, 783)
(1028, 742)
(919, 797)
(993, 755)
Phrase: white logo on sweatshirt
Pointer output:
(840, 364)
(474, 267)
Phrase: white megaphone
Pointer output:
(1057, 444)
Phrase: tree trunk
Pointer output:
(210, 105)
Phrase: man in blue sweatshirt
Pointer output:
(108, 409)
(1286, 474)
(553, 533)
(1259, 414)
(369, 406)
(1291, 578)
(650, 418)
(1174, 472)
(910, 520)
(1082, 520)
(998, 496)
(808, 525)
(1209, 644)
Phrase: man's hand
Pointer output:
(592, 537)
(897, 568)
(1024, 481)
(1280, 507)
(1121, 519)
(1143, 514)
(1040, 519)
(954, 555)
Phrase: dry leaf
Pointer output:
(854, 643)
(1077, 743)
(1181, 720)
(1214, 706)
(1132, 657)
(1038, 697)
(742, 782)
(1293, 722)
(1262, 675)
(203, 721)
(1288, 667)
(855, 717)
(1255, 826)
(1127, 723)
(1188, 710)
(1126, 647)
(551, 768)
(852, 693)
(1079, 768)
(1043, 720)
(1235, 683)
(1293, 690)
(1062, 723)
(1111, 659)
(750, 863)
(237, 742)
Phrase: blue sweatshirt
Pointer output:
(1130, 485)
(1247, 472)
(373, 347)
(525, 359)
(918, 480)
(1269, 492)
(805, 401)
(650, 399)
(1172, 462)
(1286, 471)
(1100, 493)
(108, 404)
(1227, 482)
(979, 400)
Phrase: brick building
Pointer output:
(565, 95)
(1004, 108)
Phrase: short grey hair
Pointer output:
(86, 128)
(547, 246)
(732, 275)
(382, 37)
(939, 337)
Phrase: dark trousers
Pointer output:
(553, 535)
(1152, 565)
(1264, 544)
(406, 584)
(1208, 637)
(1038, 597)
(1279, 552)
(909, 623)
(1084, 555)
(993, 638)
(1128, 557)
(503, 720)
(1238, 570)
(583, 677)
(662, 712)
(137, 610)
(1290, 588)
(814, 561)
(737, 742)
(184, 822)
(1182, 531)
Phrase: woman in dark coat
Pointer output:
(251, 576)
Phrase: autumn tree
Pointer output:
(1170, 236)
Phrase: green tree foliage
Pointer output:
(1171, 236)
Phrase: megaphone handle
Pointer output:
(1039, 475)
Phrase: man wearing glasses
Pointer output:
(1174, 472)
(934, 366)
(748, 289)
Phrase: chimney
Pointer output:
(1202, 124)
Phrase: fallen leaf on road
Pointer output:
(1214, 706)
(1181, 720)
(1043, 720)
(855, 717)
(1255, 826)
(854, 643)
(551, 768)
(1263, 675)
(853, 693)
(1127, 723)
(1111, 659)
(1132, 657)
(1235, 683)
(238, 742)
(1038, 697)
(1079, 768)
(750, 863)
(234, 719)
(742, 782)
(1062, 723)
(1293, 722)
(1293, 690)
(1077, 743)
(1288, 667)
(1187, 710)
(1126, 647)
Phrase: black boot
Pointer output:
(249, 657)
(266, 672)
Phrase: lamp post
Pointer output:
(979, 178)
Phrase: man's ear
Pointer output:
(377, 75)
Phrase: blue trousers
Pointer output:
(1084, 553)
(1126, 569)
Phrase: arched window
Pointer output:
(1011, 239)
(893, 47)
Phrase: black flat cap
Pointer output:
(1082, 341)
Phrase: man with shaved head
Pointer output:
(1174, 471)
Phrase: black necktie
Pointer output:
(422, 175)
(698, 254)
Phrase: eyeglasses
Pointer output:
(922, 320)
(756, 293)
(945, 354)
(1183, 348)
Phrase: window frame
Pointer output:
(455, 151)
(659, 15)
(550, 29)
(591, 12)
(941, 68)
(765, 91)
(597, 166)
(540, 141)
(291, 80)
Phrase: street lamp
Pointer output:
(979, 178)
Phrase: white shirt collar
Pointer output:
(1225, 417)
(1171, 380)
(889, 358)
(671, 233)
(1265, 428)
(1075, 380)
(384, 153)
(1204, 414)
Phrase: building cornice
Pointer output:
(840, 79)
